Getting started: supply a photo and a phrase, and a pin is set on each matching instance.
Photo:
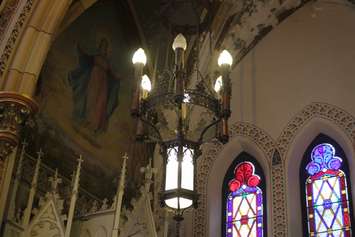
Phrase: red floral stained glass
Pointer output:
(244, 203)
(327, 194)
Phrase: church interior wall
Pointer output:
(214, 184)
(294, 156)
(308, 58)
(304, 60)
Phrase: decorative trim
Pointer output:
(325, 111)
(276, 158)
(279, 206)
(7, 11)
(10, 44)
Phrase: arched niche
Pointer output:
(223, 161)
(294, 156)
(303, 175)
(244, 158)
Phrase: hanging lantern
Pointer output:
(179, 188)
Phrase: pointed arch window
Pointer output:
(326, 194)
(244, 203)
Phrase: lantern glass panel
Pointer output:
(185, 203)
(172, 165)
(174, 203)
(187, 170)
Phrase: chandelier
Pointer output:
(180, 117)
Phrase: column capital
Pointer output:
(15, 111)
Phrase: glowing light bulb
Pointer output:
(187, 98)
(225, 58)
(145, 83)
(218, 84)
(180, 42)
(139, 57)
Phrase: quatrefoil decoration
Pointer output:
(323, 158)
(244, 175)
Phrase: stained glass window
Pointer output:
(327, 194)
(244, 210)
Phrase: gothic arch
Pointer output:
(335, 115)
(74, 12)
(294, 157)
(47, 222)
(244, 137)
(313, 120)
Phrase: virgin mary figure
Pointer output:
(95, 88)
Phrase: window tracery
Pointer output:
(244, 211)
(327, 198)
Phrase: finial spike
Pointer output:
(40, 153)
(80, 160)
(24, 143)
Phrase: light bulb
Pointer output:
(187, 98)
(225, 58)
(145, 83)
(139, 57)
(218, 84)
(179, 42)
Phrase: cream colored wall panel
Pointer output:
(307, 58)
(13, 80)
(22, 54)
(41, 13)
(55, 12)
(38, 53)
(28, 84)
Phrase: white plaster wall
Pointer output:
(307, 58)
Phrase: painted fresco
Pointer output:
(85, 93)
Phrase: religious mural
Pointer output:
(85, 94)
(95, 88)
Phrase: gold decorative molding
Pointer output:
(15, 31)
(15, 112)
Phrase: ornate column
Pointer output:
(15, 112)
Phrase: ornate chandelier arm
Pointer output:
(160, 140)
(200, 140)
